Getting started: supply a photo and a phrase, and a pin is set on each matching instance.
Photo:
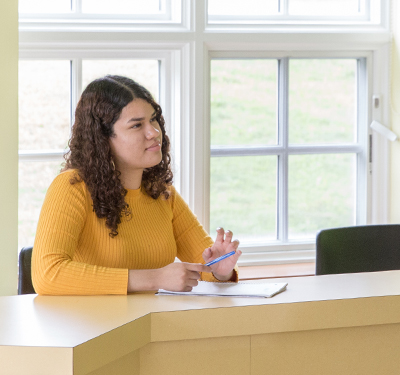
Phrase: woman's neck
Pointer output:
(131, 180)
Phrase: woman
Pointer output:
(112, 222)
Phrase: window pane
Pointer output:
(121, 6)
(44, 104)
(144, 72)
(44, 6)
(321, 193)
(324, 7)
(322, 100)
(243, 196)
(243, 102)
(32, 190)
(242, 8)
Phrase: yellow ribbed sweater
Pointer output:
(74, 254)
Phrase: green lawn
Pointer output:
(322, 97)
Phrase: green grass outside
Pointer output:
(243, 190)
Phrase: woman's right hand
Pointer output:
(181, 277)
(176, 277)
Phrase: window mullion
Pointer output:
(284, 7)
(362, 138)
(218, 151)
(283, 140)
(198, 136)
(76, 6)
(76, 85)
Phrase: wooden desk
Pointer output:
(334, 324)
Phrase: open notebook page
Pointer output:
(205, 288)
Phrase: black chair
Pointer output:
(25, 277)
(365, 248)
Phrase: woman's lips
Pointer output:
(156, 146)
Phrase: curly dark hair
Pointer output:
(90, 153)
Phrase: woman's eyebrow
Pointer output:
(136, 119)
(141, 118)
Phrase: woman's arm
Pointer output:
(62, 218)
(194, 245)
(179, 277)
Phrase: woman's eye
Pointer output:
(153, 119)
(135, 126)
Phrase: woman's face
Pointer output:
(137, 139)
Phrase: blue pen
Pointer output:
(216, 260)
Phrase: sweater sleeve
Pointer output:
(191, 238)
(60, 225)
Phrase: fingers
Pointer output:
(235, 244)
(224, 236)
(207, 254)
(193, 275)
(223, 244)
(197, 267)
(237, 255)
(220, 235)
(228, 236)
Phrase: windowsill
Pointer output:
(276, 270)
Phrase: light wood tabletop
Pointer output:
(87, 335)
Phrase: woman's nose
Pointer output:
(152, 131)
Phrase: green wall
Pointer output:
(8, 146)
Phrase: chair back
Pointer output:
(25, 277)
(365, 248)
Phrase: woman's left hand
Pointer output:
(223, 270)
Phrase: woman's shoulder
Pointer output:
(66, 176)
(66, 181)
(174, 199)
(172, 190)
(65, 198)
(69, 173)
(168, 196)
(172, 194)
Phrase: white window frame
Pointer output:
(303, 249)
(170, 18)
(186, 49)
(374, 199)
(373, 16)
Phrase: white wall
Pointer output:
(395, 116)
(8, 146)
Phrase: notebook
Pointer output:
(205, 288)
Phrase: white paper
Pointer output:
(205, 288)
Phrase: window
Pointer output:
(268, 107)
(136, 9)
(286, 146)
(92, 15)
(44, 123)
(294, 11)
(265, 9)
